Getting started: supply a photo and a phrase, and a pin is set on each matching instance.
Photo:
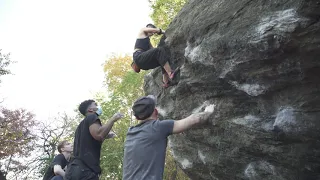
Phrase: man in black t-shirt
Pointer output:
(87, 143)
(56, 169)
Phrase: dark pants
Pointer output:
(151, 59)
(78, 171)
(57, 178)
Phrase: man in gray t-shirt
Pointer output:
(146, 143)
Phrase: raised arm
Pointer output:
(194, 119)
(99, 132)
(152, 30)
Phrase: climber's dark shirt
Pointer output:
(143, 44)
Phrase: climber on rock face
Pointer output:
(146, 57)
(146, 143)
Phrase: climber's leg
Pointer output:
(154, 58)
(173, 73)
(163, 60)
(147, 59)
(167, 68)
(165, 78)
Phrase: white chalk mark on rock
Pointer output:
(283, 21)
(253, 122)
(201, 156)
(250, 89)
(192, 53)
(286, 120)
(248, 120)
(186, 163)
(161, 111)
(198, 54)
(257, 170)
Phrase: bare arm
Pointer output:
(151, 30)
(58, 170)
(144, 31)
(99, 132)
(194, 119)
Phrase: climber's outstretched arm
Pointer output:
(152, 30)
(194, 119)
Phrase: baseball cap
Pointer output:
(144, 107)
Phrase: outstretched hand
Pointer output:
(194, 119)
(117, 116)
(111, 135)
(204, 116)
(160, 31)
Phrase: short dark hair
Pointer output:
(153, 26)
(61, 145)
(83, 107)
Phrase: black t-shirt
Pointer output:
(58, 160)
(85, 146)
(143, 44)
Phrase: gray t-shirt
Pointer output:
(145, 150)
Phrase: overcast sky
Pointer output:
(60, 46)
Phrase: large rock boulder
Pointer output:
(259, 63)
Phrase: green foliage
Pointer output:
(165, 10)
(163, 13)
(4, 63)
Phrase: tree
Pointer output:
(16, 137)
(163, 13)
(45, 148)
(165, 10)
(4, 63)
(50, 136)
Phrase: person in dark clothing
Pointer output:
(146, 143)
(56, 169)
(146, 57)
(89, 136)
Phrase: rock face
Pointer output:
(259, 63)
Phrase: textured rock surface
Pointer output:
(259, 63)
